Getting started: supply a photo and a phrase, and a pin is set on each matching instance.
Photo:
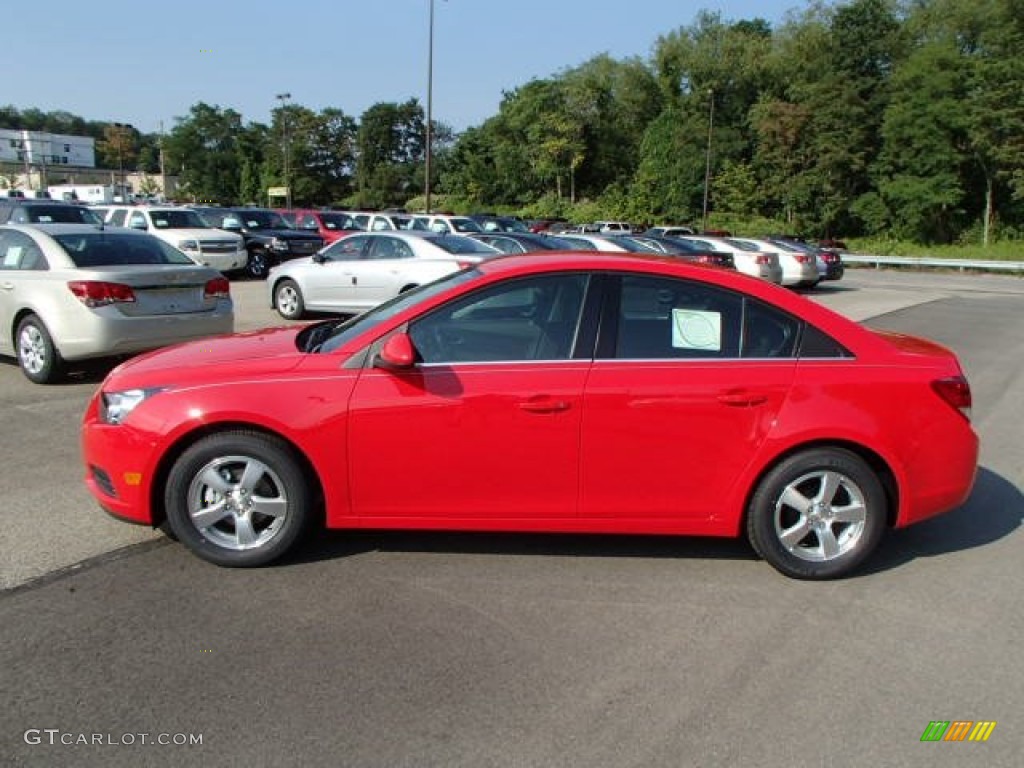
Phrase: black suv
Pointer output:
(19, 210)
(268, 238)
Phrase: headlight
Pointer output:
(117, 405)
(188, 245)
(278, 244)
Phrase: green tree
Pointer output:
(390, 149)
(119, 146)
(924, 140)
(202, 149)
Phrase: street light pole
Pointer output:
(283, 98)
(121, 136)
(430, 105)
(707, 165)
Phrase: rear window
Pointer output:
(55, 214)
(458, 244)
(105, 249)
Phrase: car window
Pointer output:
(18, 251)
(48, 214)
(665, 318)
(531, 319)
(459, 244)
(117, 218)
(137, 220)
(767, 331)
(106, 248)
(504, 244)
(388, 248)
(347, 249)
(177, 219)
(337, 221)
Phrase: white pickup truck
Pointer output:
(186, 231)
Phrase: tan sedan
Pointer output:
(72, 292)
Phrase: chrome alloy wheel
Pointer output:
(32, 349)
(820, 516)
(237, 503)
(288, 302)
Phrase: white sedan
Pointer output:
(363, 270)
(799, 269)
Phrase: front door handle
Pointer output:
(742, 398)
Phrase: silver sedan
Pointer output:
(363, 270)
(72, 292)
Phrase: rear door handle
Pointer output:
(742, 398)
(544, 405)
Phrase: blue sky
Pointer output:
(143, 63)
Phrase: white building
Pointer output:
(38, 150)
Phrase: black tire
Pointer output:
(818, 514)
(288, 300)
(38, 356)
(257, 266)
(216, 488)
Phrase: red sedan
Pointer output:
(563, 392)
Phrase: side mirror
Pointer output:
(397, 354)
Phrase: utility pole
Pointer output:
(430, 105)
(163, 168)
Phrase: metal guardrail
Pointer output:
(933, 263)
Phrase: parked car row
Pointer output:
(353, 272)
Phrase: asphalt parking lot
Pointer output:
(441, 649)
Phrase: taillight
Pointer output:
(763, 258)
(95, 293)
(802, 258)
(218, 288)
(956, 391)
(463, 264)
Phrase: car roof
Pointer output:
(420, 234)
(75, 229)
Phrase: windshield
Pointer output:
(338, 221)
(177, 219)
(108, 248)
(460, 245)
(514, 225)
(634, 246)
(749, 247)
(408, 222)
(329, 337)
(465, 225)
(258, 219)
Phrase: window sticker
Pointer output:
(697, 329)
(13, 256)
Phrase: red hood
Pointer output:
(252, 352)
